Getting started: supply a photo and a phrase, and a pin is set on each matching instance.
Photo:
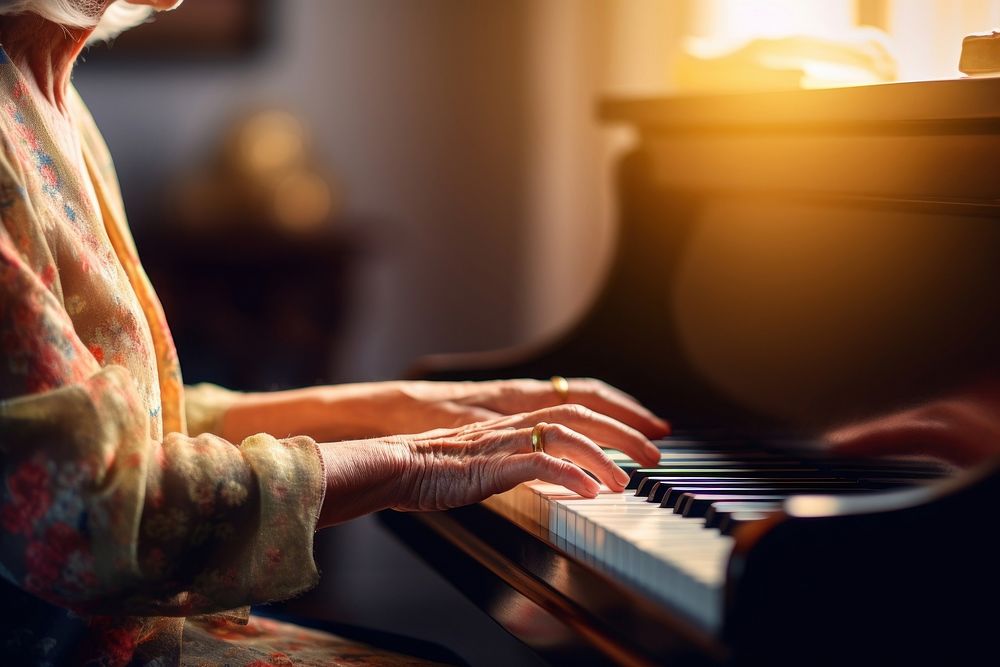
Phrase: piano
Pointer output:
(784, 262)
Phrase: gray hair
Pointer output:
(119, 16)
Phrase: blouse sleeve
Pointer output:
(98, 517)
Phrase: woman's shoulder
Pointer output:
(93, 140)
(17, 132)
(11, 172)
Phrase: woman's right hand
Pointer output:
(447, 468)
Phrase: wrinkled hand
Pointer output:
(425, 405)
(963, 429)
(366, 410)
(447, 468)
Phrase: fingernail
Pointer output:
(621, 476)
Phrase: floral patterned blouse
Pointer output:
(116, 525)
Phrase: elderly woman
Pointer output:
(130, 505)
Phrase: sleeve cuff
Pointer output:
(292, 485)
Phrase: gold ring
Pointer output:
(537, 438)
(561, 385)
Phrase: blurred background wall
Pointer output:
(463, 134)
(421, 110)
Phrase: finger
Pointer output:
(563, 442)
(599, 428)
(527, 467)
(511, 397)
(462, 415)
(615, 403)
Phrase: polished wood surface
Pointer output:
(568, 612)
(895, 108)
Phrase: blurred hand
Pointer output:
(450, 467)
(963, 429)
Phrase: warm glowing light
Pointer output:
(273, 139)
(779, 305)
(302, 201)
(731, 23)
(750, 45)
(807, 506)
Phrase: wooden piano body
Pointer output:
(784, 261)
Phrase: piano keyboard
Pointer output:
(670, 534)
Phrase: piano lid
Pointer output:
(952, 105)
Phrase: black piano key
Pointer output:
(658, 487)
(678, 454)
(646, 485)
(717, 512)
(696, 504)
(629, 467)
(895, 482)
(654, 488)
(698, 463)
(698, 444)
(729, 463)
(640, 474)
(730, 522)
(672, 497)
(727, 452)
(681, 454)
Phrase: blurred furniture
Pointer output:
(255, 309)
(784, 261)
(263, 173)
(251, 260)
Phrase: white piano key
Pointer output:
(674, 558)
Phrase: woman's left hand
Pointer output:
(355, 411)
(425, 405)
